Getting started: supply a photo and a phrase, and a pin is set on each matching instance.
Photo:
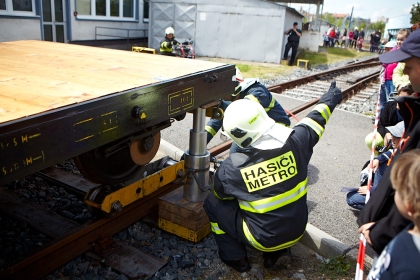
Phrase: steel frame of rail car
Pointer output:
(33, 143)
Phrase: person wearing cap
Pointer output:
(380, 220)
(292, 42)
(356, 199)
(252, 89)
(259, 192)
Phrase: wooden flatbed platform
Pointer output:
(60, 100)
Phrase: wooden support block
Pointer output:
(194, 236)
(284, 62)
(184, 218)
(143, 50)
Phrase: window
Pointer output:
(106, 9)
(145, 10)
(17, 7)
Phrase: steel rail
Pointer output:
(279, 88)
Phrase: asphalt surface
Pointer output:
(336, 163)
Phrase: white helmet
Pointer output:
(241, 83)
(245, 121)
(169, 30)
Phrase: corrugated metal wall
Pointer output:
(180, 16)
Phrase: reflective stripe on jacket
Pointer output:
(165, 46)
(271, 185)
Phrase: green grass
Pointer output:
(250, 69)
(335, 267)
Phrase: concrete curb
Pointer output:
(315, 239)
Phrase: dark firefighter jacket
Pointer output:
(166, 45)
(381, 208)
(270, 185)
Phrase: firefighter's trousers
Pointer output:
(226, 220)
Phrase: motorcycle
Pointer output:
(185, 50)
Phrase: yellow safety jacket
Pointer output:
(271, 185)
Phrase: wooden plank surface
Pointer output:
(37, 76)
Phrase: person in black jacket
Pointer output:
(292, 42)
(259, 192)
(380, 220)
(390, 115)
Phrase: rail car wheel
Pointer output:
(97, 195)
(144, 150)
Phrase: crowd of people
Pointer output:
(263, 182)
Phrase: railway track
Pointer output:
(65, 235)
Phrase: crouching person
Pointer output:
(259, 192)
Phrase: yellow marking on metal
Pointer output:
(106, 114)
(143, 187)
(110, 128)
(184, 232)
(143, 116)
(35, 135)
(180, 100)
(43, 156)
(36, 158)
(90, 136)
(88, 120)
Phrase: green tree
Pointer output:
(377, 25)
(415, 13)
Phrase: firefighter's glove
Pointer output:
(336, 92)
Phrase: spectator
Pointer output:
(362, 34)
(332, 37)
(372, 42)
(344, 38)
(357, 199)
(400, 258)
(355, 37)
(351, 38)
(294, 34)
(389, 68)
(390, 115)
(326, 40)
(399, 79)
(359, 44)
(380, 220)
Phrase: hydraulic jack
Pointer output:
(181, 211)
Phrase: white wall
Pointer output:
(309, 40)
(82, 30)
(19, 29)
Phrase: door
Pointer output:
(53, 20)
(180, 16)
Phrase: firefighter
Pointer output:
(252, 89)
(259, 192)
(168, 42)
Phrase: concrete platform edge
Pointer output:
(315, 239)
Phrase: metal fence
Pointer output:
(120, 33)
